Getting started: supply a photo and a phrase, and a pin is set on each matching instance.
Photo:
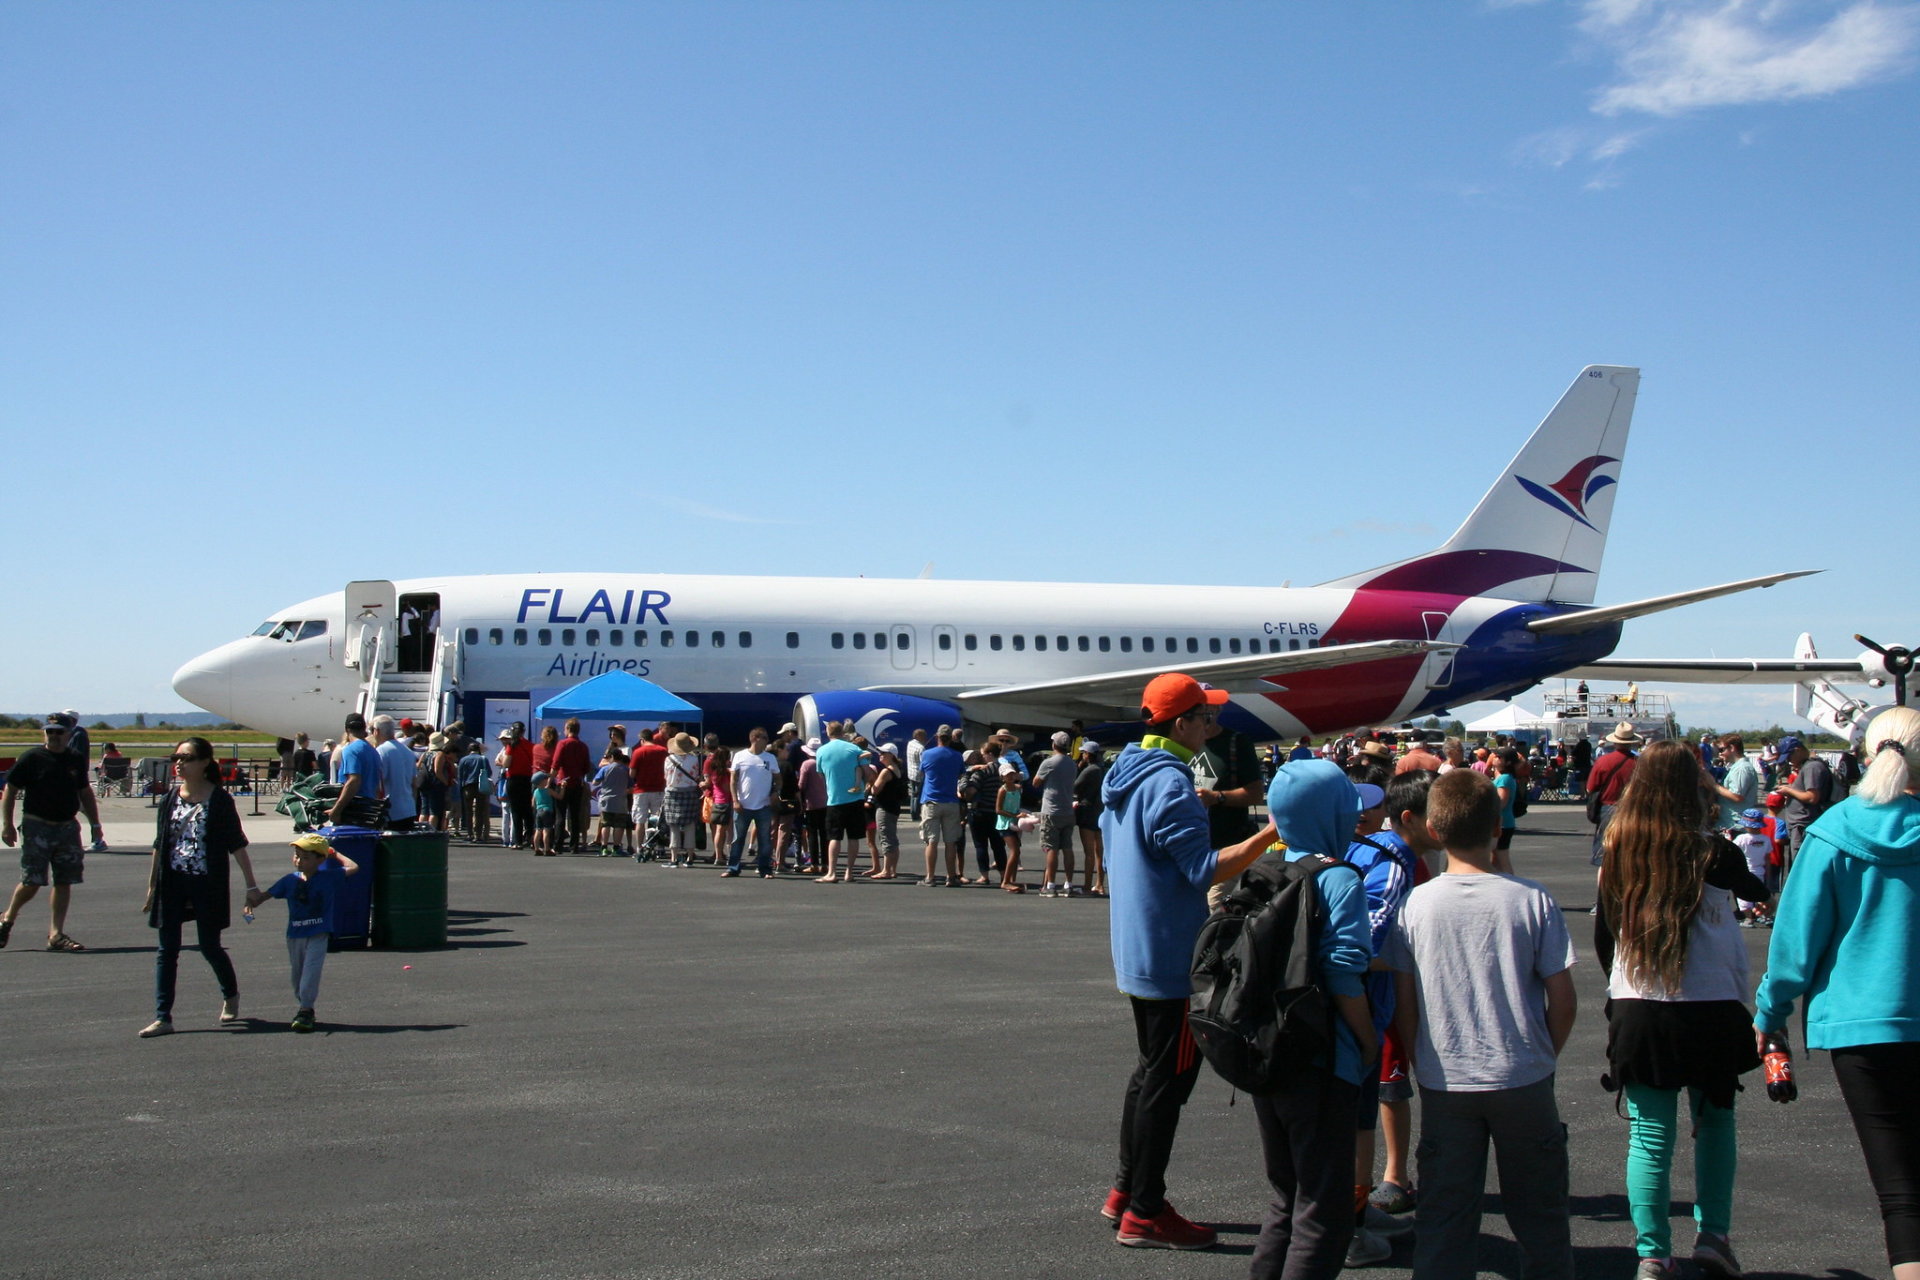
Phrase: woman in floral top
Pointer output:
(198, 830)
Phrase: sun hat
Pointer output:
(1624, 736)
(311, 844)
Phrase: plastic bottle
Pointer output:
(1779, 1069)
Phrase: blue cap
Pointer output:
(1371, 797)
(1753, 819)
(1788, 745)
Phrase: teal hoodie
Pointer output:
(1845, 936)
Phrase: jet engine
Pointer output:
(880, 717)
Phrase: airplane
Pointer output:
(1502, 605)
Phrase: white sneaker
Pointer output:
(1367, 1249)
(1046, 888)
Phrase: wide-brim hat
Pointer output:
(1623, 735)
(1377, 749)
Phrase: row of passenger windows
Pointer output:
(617, 638)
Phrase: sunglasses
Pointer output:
(179, 759)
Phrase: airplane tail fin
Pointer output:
(1818, 702)
(1541, 530)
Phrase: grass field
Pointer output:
(242, 743)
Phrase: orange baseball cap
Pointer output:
(1176, 694)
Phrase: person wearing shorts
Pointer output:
(52, 784)
(938, 799)
(1055, 778)
(841, 766)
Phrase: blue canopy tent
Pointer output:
(616, 695)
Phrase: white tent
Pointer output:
(1512, 718)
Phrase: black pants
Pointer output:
(1306, 1142)
(166, 962)
(813, 829)
(1161, 1082)
(574, 815)
(1877, 1080)
(520, 803)
(989, 850)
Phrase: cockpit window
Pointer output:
(265, 628)
(308, 630)
(284, 631)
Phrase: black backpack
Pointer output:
(1259, 1012)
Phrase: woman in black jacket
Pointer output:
(197, 831)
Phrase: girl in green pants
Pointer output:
(1668, 932)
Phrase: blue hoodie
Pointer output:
(1313, 807)
(1844, 936)
(1160, 863)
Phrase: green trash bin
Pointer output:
(410, 890)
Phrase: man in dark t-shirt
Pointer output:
(52, 782)
(1806, 794)
(1226, 773)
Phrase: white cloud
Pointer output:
(1676, 56)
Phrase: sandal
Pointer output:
(61, 942)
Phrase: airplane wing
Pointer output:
(1588, 619)
(1782, 671)
(1111, 692)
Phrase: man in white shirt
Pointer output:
(756, 772)
(915, 748)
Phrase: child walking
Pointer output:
(309, 891)
(1667, 931)
(1483, 1004)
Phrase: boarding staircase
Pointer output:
(426, 697)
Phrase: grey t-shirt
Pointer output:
(1055, 777)
(1481, 948)
(1814, 776)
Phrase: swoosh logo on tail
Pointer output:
(1571, 493)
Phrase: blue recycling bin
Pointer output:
(353, 908)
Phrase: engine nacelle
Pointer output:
(880, 717)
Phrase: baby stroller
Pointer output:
(654, 841)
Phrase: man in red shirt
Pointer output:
(572, 766)
(515, 761)
(1609, 777)
(648, 765)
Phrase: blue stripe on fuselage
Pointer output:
(1502, 658)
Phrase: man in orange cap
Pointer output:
(1160, 864)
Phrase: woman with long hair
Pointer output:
(717, 778)
(195, 833)
(1669, 936)
(1844, 940)
(1503, 768)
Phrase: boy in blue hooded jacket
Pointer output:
(1307, 1130)
(1160, 864)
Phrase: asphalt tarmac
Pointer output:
(624, 1070)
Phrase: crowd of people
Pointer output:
(1443, 970)
(1446, 977)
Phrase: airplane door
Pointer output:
(370, 614)
(419, 616)
(900, 648)
(1439, 665)
(946, 648)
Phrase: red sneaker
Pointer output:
(1116, 1206)
(1164, 1230)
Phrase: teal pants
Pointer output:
(1652, 1120)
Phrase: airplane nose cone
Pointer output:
(207, 683)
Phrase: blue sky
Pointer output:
(298, 294)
